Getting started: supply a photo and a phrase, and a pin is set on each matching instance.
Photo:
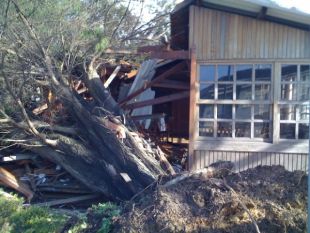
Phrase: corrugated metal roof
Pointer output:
(253, 7)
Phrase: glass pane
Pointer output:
(262, 111)
(207, 73)
(287, 131)
(261, 130)
(304, 91)
(207, 91)
(263, 72)
(206, 129)
(206, 111)
(225, 72)
(303, 131)
(262, 91)
(244, 92)
(244, 72)
(225, 91)
(288, 91)
(289, 73)
(287, 112)
(243, 130)
(224, 111)
(305, 73)
(304, 111)
(243, 112)
(224, 129)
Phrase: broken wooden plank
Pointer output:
(177, 54)
(172, 84)
(161, 77)
(159, 53)
(151, 116)
(15, 157)
(158, 100)
(132, 74)
(10, 180)
(69, 200)
(112, 76)
(81, 90)
(40, 109)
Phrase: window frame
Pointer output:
(274, 100)
(297, 103)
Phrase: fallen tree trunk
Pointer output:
(116, 167)
(94, 155)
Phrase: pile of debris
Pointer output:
(92, 126)
(262, 199)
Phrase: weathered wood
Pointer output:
(152, 53)
(11, 181)
(153, 116)
(112, 76)
(192, 108)
(172, 85)
(236, 36)
(159, 100)
(218, 169)
(161, 77)
(69, 200)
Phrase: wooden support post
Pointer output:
(156, 80)
(192, 109)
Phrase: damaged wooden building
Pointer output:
(244, 92)
(249, 82)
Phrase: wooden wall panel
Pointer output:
(220, 35)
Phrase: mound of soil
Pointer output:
(274, 197)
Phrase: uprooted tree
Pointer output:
(44, 55)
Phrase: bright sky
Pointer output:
(302, 5)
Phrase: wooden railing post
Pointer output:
(192, 108)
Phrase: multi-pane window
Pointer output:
(294, 101)
(235, 100)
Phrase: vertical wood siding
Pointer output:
(245, 160)
(220, 35)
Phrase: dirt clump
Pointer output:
(275, 198)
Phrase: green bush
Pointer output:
(16, 218)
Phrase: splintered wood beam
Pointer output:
(144, 117)
(161, 77)
(155, 53)
(132, 73)
(112, 76)
(69, 200)
(11, 181)
(159, 100)
(172, 84)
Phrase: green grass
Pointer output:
(16, 218)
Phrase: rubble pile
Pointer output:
(89, 130)
(272, 198)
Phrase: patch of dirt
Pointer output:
(276, 199)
